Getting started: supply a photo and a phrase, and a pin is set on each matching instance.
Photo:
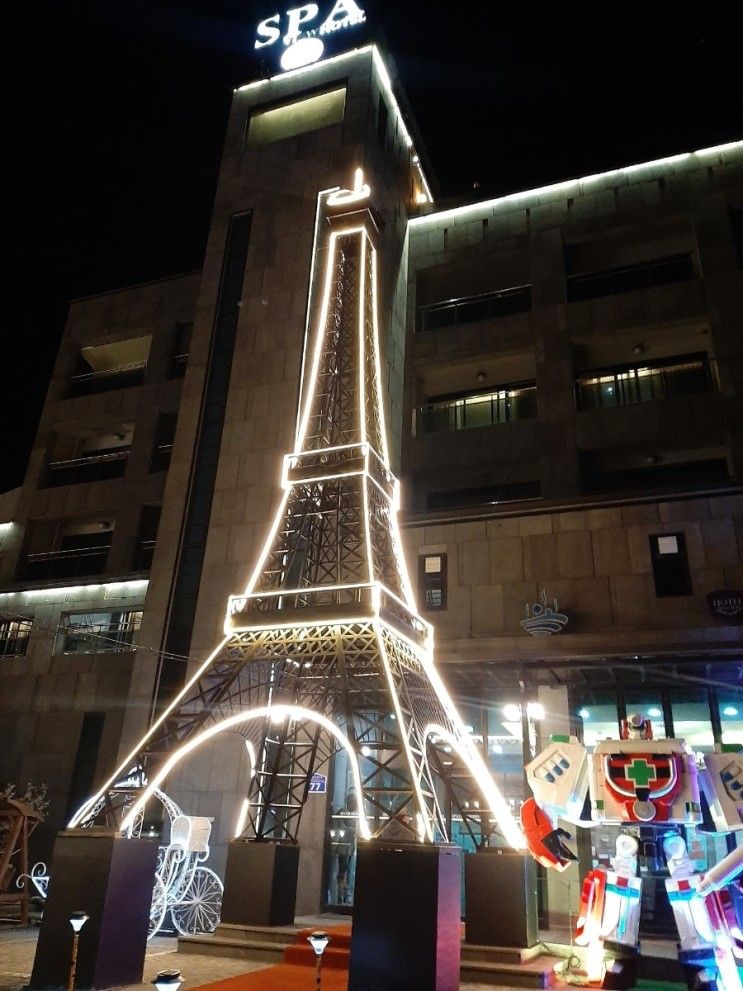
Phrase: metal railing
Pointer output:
(513, 402)
(645, 275)
(92, 467)
(625, 385)
(121, 377)
(70, 563)
(469, 309)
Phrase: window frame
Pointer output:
(432, 582)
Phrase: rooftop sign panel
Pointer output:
(301, 31)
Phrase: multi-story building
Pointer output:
(562, 374)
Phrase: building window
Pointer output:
(98, 632)
(627, 384)
(469, 309)
(162, 449)
(609, 282)
(289, 120)
(181, 349)
(14, 635)
(103, 367)
(432, 581)
(100, 457)
(144, 550)
(670, 565)
(478, 409)
(81, 551)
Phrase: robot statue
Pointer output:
(657, 787)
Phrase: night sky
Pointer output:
(117, 110)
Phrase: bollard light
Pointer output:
(318, 941)
(167, 980)
(77, 921)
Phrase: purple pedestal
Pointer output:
(111, 878)
(406, 918)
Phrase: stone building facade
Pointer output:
(562, 374)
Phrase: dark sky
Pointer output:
(117, 111)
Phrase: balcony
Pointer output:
(484, 409)
(94, 467)
(610, 282)
(469, 309)
(121, 377)
(72, 562)
(625, 385)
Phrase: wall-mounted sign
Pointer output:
(726, 605)
(542, 620)
(318, 784)
(302, 29)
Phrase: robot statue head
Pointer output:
(636, 727)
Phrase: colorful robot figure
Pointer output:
(658, 786)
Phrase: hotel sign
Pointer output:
(726, 605)
(301, 30)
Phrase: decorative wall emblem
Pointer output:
(542, 620)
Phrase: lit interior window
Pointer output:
(297, 117)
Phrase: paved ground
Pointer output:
(17, 948)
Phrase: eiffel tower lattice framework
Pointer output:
(325, 649)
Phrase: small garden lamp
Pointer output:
(167, 980)
(318, 941)
(77, 921)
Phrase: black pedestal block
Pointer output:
(406, 918)
(111, 878)
(260, 884)
(500, 898)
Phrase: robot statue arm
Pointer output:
(721, 785)
(558, 778)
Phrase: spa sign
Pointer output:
(302, 29)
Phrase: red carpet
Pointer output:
(297, 972)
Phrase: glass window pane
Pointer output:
(478, 411)
(731, 717)
(691, 718)
(598, 717)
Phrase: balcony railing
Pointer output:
(73, 562)
(623, 386)
(661, 272)
(87, 383)
(469, 309)
(513, 402)
(90, 468)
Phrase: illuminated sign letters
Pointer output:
(302, 34)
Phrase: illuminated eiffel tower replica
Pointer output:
(325, 650)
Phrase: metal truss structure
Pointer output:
(325, 649)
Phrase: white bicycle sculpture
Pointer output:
(190, 892)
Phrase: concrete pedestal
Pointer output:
(260, 884)
(500, 898)
(111, 878)
(406, 928)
